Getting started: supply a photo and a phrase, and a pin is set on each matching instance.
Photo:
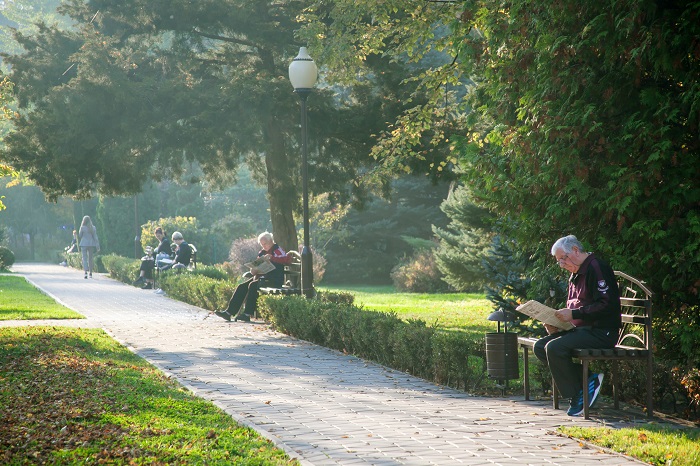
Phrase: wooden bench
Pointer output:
(193, 259)
(634, 344)
(292, 278)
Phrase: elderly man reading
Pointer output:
(593, 307)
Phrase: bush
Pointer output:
(7, 258)
(73, 259)
(331, 320)
(211, 271)
(197, 289)
(419, 274)
(243, 250)
(121, 268)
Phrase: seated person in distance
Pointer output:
(247, 292)
(148, 263)
(183, 253)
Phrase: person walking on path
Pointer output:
(89, 244)
(593, 307)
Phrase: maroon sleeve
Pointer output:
(280, 257)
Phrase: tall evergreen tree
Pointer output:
(464, 243)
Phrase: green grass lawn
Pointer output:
(467, 312)
(651, 444)
(20, 300)
(76, 396)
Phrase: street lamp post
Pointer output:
(302, 75)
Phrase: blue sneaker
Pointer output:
(576, 405)
(595, 381)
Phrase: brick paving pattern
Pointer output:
(321, 406)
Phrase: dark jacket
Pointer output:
(163, 248)
(184, 254)
(594, 296)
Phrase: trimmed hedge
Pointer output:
(333, 321)
(75, 260)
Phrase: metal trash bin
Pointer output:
(502, 350)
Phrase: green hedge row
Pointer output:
(333, 321)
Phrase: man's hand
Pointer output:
(551, 329)
(565, 315)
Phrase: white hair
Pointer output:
(567, 244)
(265, 235)
(177, 235)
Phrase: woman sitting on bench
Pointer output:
(149, 262)
(247, 292)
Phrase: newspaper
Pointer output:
(544, 314)
(260, 266)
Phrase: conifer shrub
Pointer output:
(7, 258)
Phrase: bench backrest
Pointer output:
(635, 300)
(292, 271)
(193, 258)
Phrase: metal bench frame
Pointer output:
(634, 344)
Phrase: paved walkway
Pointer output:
(322, 407)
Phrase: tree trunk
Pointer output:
(281, 191)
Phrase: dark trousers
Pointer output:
(246, 292)
(556, 352)
(147, 268)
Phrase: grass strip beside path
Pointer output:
(20, 300)
(75, 396)
(652, 444)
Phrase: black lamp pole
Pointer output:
(303, 74)
(307, 259)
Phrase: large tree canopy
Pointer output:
(587, 122)
(583, 118)
(142, 89)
